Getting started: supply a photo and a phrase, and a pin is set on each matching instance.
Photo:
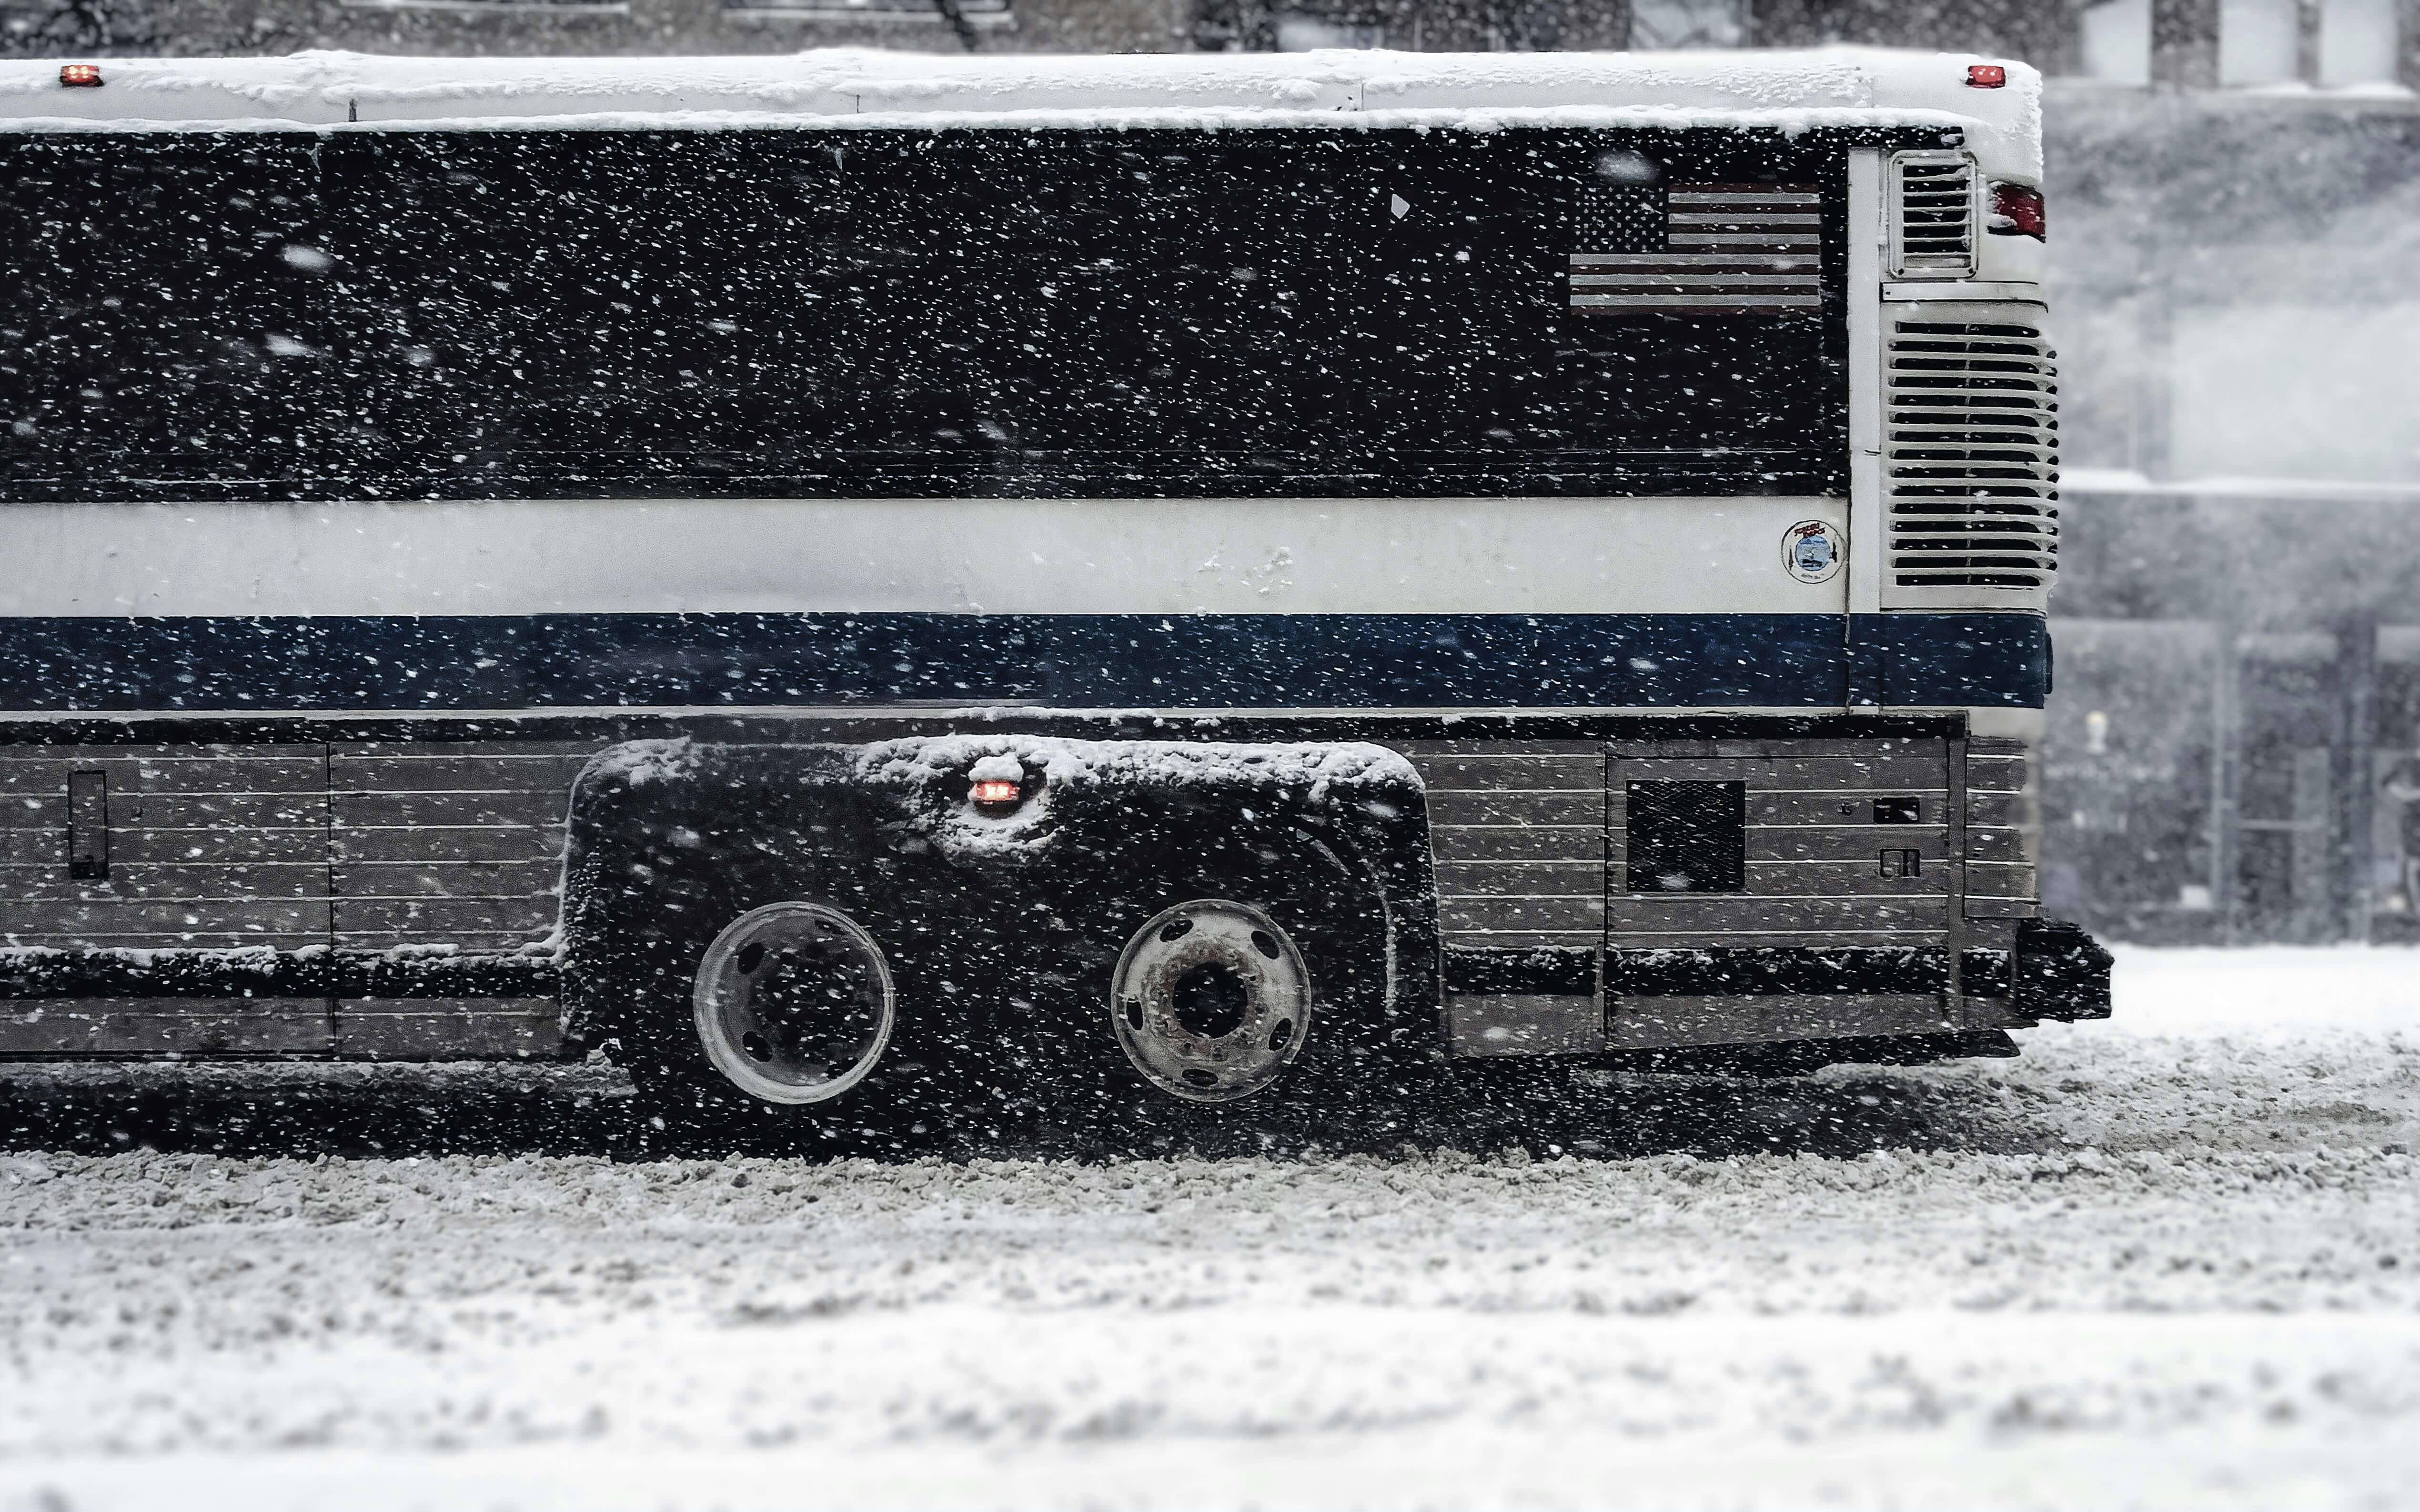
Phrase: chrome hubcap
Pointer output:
(794, 1003)
(1211, 1001)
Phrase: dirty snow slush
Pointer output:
(2165, 1260)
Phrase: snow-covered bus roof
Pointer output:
(855, 87)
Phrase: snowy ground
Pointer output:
(2173, 1259)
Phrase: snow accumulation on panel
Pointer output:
(931, 774)
(31, 973)
(853, 87)
(1137, 762)
(24, 961)
(638, 762)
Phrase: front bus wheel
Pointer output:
(793, 1026)
(794, 1004)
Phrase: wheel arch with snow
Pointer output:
(851, 934)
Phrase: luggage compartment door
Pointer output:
(1731, 861)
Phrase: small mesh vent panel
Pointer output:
(1972, 455)
(1934, 196)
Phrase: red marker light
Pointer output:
(80, 75)
(1986, 76)
(998, 791)
(2018, 211)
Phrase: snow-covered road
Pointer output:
(2172, 1259)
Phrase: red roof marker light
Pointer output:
(998, 791)
(79, 76)
(1986, 76)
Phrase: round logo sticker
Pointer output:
(1812, 550)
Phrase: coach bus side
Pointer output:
(1629, 508)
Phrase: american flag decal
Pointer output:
(1697, 249)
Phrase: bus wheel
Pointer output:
(1237, 1004)
(1211, 1001)
(793, 1023)
(794, 1003)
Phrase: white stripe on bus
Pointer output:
(1649, 280)
(1745, 262)
(1707, 555)
(1698, 300)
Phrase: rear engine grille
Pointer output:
(1973, 456)
(1932, 209)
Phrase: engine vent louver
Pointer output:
(1972, 456)
(1932, 215)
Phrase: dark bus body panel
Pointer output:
(398, 898)
(1592, 835)
(892, 314)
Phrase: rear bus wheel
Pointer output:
(1237, 1004)
(1211, 1001)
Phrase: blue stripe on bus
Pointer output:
(1075, 661)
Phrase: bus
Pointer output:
(1176, 591)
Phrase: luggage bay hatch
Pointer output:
(1750, 890)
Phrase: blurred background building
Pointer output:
(2235, 201)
